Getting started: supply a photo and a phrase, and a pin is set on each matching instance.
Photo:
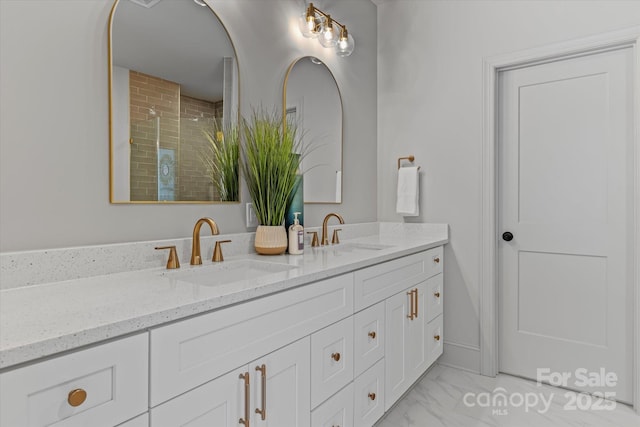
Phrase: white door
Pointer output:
(566, 197)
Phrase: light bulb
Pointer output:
(329, 37)
(310, 25)
(345, 45)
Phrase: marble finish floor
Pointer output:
(455, 398)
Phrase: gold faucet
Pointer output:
(196, 259)
(325, 240)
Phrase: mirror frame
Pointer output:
(111, 160)
(284, 124)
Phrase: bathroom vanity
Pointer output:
(334, 337)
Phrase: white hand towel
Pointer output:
(408, 203)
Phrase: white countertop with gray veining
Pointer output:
(41, 320)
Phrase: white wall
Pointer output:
(54, 134)
(430, 102)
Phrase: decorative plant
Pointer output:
(271, 156)
(221, 161)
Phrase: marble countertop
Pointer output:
(42, 320)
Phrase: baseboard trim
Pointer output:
(461, 356)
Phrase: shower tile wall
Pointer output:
(196, 116)
(181, 119)
(151, 97)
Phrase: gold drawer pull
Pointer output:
(372, 334)
(372, 396)
(77, 397)
(436, 294)
(436, 337)
(436, 260)
(247, 396)
(413, 303)
(335, 356)
(263, 374)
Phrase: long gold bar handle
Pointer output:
(263, 411)
(247, 396)
(417, 302)
(410, 315)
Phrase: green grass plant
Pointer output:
(270, 163)
(221, 159)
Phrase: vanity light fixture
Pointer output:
(314, 23)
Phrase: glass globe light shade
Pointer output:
(311, 26)
(329, 37)
(345, 46)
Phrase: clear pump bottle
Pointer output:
(296, 236)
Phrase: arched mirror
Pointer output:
(173, 103)
(312, 100)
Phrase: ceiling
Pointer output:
(176, 40)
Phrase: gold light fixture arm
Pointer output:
(312, 11)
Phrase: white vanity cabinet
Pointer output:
(104, 385)
(271, 391)
(337, 352)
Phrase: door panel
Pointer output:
(565, 192)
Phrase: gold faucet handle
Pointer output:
(335, 239)
(173, 261)
(314, 239)
(217, 251)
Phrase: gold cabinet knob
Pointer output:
(436, 260)
(77, 397)
(436, 337)
(372, 396)
(436, 294)
(335, 356)
(372, 334)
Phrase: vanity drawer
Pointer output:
(376, 283)
(192, 352)
(331, 360)
(434, 297)
(100, 386)
(368, 337)
(435, 339)
(368, 402)
(337, 411)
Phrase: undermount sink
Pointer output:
(227, 272)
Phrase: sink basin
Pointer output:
(227, 272)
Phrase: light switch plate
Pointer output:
(252, 220)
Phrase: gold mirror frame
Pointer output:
(309, 157)
(236, 115)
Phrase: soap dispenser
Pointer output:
(296, 236)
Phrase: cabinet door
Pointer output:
(406, 345)
(282, 395)
(417, 352)
(219, 403)
(397, 308)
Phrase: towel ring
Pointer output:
(410, 158)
